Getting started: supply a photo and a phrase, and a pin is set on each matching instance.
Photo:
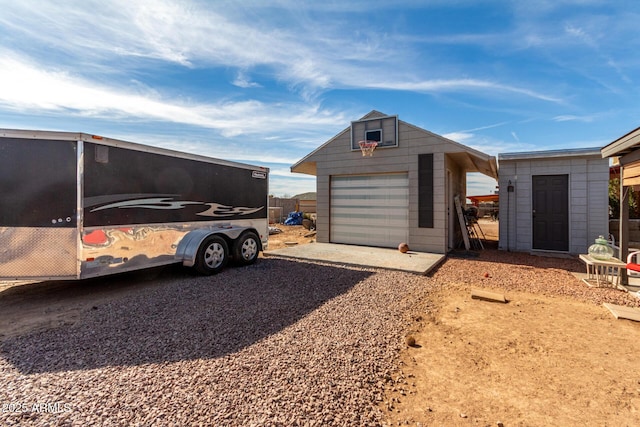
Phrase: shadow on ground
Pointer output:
(179, 316)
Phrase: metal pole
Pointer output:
(624, 225)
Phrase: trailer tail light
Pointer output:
(96, 137)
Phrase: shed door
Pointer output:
(370, 210)
(551, 212)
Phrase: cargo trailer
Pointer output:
(74, 206)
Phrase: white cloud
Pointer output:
(492, 146)
(480, 185)
(310, 58)
(491, 126)
(454, 85)
(25, 86)
(571, 118)
(290, 186)
(243, 81)
(286, 172)
(460, 137)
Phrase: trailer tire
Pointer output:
(246, 248)
(212, 256)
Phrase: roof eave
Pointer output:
(622, 145)
(575, 152)
(305, 167)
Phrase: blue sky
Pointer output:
(268, 82)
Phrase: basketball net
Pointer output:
(367, 147)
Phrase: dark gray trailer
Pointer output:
(75, 206)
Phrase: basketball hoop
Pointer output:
(367, 147)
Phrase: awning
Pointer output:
(627, 150)
(488, 198)
(474, 161)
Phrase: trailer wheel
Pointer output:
(246, 248)
(213, 255)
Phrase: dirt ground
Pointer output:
(540, 359)
(536, 361)
(291, 234)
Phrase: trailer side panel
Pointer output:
(128, 187)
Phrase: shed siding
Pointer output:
(588, 199)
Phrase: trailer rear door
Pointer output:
(38, 208)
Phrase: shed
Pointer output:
(553, 201)
(404, 192)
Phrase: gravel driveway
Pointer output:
(280, 342)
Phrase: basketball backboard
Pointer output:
(383, 130)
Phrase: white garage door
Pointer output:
(370, 210)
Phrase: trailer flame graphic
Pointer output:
(149, 203)
(216, 209)
(166, 203)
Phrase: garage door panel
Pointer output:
(367, 236)
(362, 222)
(370, 209)
(398, 199)
(380, 188)
(369, 215)
(382, 180)
(370, 193)
(368, 203)
(373, 211)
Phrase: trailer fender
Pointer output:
(188, 246)
(187, 249)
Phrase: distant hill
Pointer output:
(305, 196)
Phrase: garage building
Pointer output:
(404, 192)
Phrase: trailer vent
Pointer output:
(102, 154)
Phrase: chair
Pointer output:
(633, 266)
(612, 243)
(632, 262)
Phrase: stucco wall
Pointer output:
(588, 199)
